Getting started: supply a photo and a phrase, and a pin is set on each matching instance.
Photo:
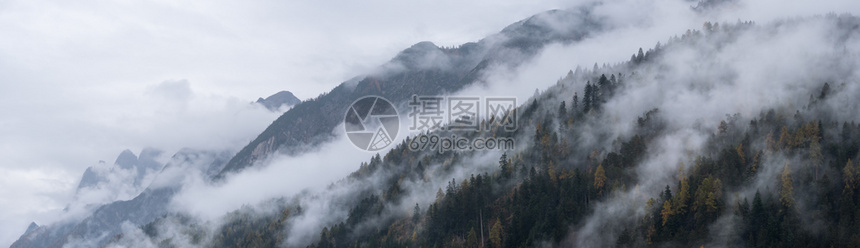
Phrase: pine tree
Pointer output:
(847, 201)
(419, 169)
(824, 91)
(562, 111)
(416, 214)
(586, 100)
(603, 83)
(595, 97)
(757, 221)
(667, 193)
(505, 165)
(723, 128)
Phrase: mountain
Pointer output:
(422, 69)
(32, 227)
(274, 102)
(728, 136)
(106, 220)
(89, 179)
(128, 161)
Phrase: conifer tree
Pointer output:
(586, 100)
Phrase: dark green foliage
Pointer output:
(542, 192)
(588, 99)
(246, 229)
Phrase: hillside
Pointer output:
(731, 135)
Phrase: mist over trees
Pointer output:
(656, 151)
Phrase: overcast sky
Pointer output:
(82, 80)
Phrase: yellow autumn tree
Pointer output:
(496, 234)
(649, 237)
(472, 238)
(785, 139)
(715, 193)
(553, 175)
(667, 211)
(770, 142)
(599, 179)
(680, 201)
(786, 191)
(799, 136)
(756, 159)
(708, 195)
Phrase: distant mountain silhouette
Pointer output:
(274, 102)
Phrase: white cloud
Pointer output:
(81, 81)
(48, 142)
(280, 176)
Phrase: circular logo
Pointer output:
(371, 123)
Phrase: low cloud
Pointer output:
(83, 81)
(279, 176)
(49, 152)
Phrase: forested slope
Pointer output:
(710, 139)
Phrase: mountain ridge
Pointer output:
(422, 69)
(277, 100)
(106, 220)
